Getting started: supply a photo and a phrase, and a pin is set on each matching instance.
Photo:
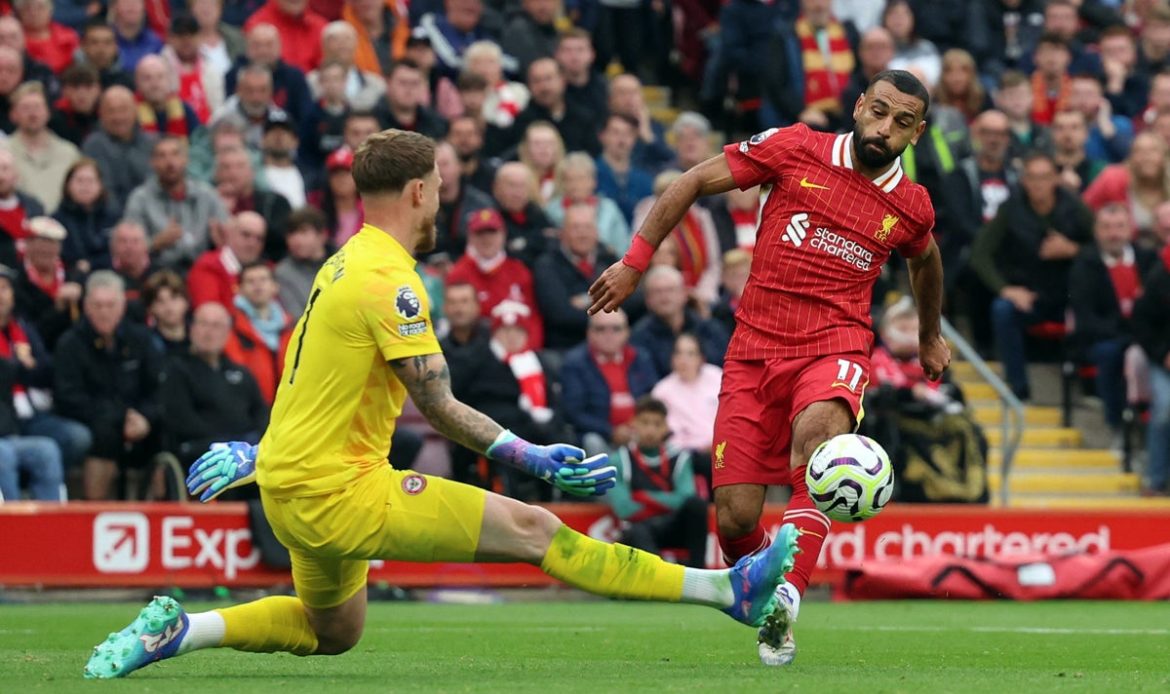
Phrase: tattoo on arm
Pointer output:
(428, 381)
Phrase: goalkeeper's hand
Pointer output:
(561, 465)
(224, 466)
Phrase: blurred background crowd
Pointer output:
(174, 172)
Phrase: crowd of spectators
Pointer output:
(173, 174)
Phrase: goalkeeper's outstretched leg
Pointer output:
(509, 531)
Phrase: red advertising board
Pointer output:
(191, 545)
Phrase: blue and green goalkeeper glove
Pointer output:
(223, 467)
(561, 465)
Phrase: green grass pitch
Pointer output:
(596, 647)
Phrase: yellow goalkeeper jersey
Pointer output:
(338, 398)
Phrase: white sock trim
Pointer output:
(205, 631)
(707, 587)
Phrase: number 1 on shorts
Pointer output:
(843, 368)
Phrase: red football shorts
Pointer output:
(758, 402)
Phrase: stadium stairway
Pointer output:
(1054, 467)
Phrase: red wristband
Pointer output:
(638, 257)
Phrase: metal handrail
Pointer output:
(1013, 409)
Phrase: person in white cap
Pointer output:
(45, 290)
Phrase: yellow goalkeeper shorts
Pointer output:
(386, 514)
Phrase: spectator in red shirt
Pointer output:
(160, 110)
(496, 277)
(15, 209)
(45, 40)
(261, 328)
(214, 276)
(300, 31)
(200, 84)
(1107, 280)
(601, 380)
(1050, 82)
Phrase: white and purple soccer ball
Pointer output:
(850, 478)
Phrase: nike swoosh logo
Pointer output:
(805, 183)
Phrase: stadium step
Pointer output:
(991, 414)
(1065, 482)
(664, 114)
(1125, 502)
(965, 370)
(1036, 437)
(978, 391)
(655, 95)
(1056, 459)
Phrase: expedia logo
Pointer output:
(797, 229)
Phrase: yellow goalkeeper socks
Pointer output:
(268, 625)
(618, 571)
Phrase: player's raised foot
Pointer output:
(776, 644)
(754, 578)
(154, 634)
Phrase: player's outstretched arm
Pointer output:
(428, 381)
(619, 280)
(926, 280)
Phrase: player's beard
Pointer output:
(869, 156)
(427, 235)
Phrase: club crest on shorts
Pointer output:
(414, 484)
(407, 303)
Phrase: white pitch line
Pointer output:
(1007, 630)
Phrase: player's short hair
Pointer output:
(1114, 31)
(468, 81)
(254, 265)
(307, 216)
(575, 33)
(255, 69)
(691, 119)
(1088, 77)
(1158, 14)
(670, 271)
(360, 114)
(105, 279)
(906, 83)
(1071, 112)
(158, 281)
(80, 75)
(1113, 208)
(95, 23)
(403, 63)
(26, 89)
(388, 160)
(460, 285)
(168, 138)
(736, 257)
(649, 404)
(1052, 39)
(1037, 155)
(628, 120)
(1012, 78)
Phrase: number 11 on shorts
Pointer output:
(844, 368)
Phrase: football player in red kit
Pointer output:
(798, 363)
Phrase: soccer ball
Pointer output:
(849, 478)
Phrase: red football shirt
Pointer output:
(825, 231)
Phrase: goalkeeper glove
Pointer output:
(561, 465)
(224, 466)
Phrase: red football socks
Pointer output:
(734, 548)
(814, 526)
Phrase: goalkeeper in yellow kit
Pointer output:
(364, 342)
